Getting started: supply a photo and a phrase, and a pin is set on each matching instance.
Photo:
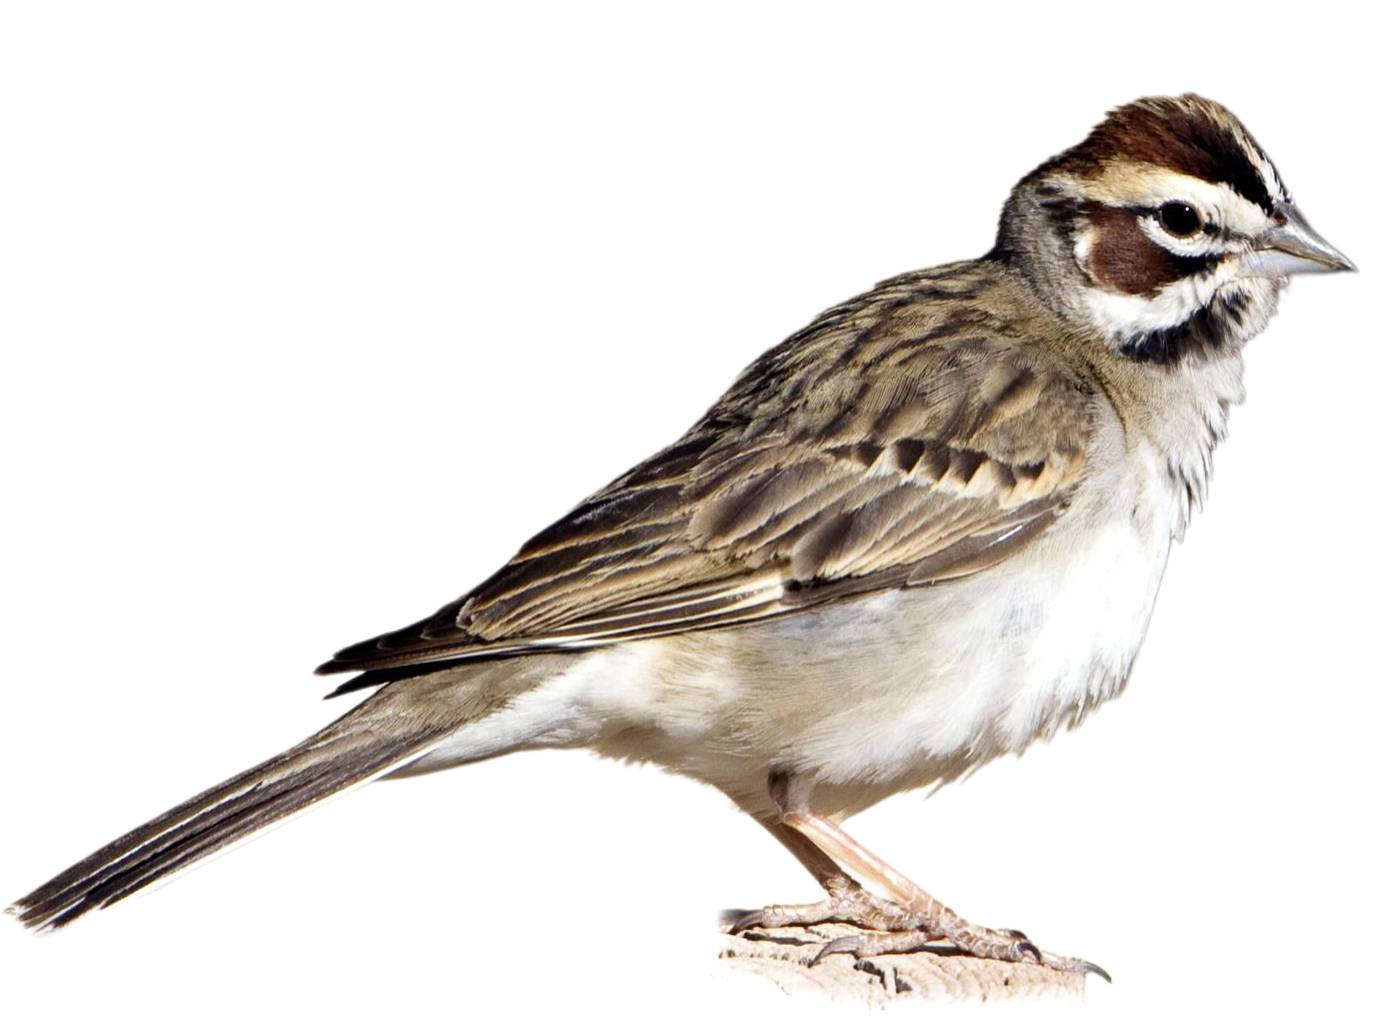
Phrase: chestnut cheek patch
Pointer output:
(1124, 259)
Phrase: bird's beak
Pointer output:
(1292, 246)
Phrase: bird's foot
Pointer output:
(849, 903)
(1006, 944)
(890, 928)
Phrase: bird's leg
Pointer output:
(848, 900)
(911, 919)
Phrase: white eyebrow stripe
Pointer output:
(1144, 185)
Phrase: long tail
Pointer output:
(363, 744)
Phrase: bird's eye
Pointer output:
(1179, 219)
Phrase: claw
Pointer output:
(843, 944)
(1074, 964)
(1026, 946)
(1089, 968)
(745, 920)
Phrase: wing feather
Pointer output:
(905, 438)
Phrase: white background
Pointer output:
(310, 314)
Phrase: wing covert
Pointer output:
(895, 442)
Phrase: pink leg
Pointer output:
(909, 921)
(848, 900)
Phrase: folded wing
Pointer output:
(900, 440)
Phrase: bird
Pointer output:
(923, 532)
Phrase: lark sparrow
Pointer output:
(922, 532)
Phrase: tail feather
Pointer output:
(344, 754)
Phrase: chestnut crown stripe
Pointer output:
(1185, 134)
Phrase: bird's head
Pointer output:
(1168, 230)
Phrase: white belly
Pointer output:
(896, 690)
